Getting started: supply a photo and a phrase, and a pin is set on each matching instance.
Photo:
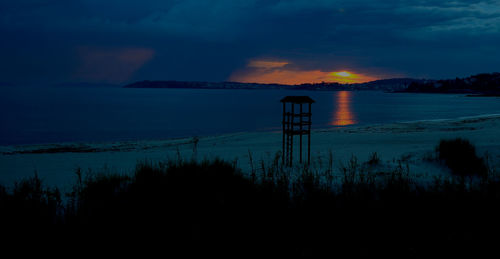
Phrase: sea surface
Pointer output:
(36, 115)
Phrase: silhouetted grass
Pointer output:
(460, 156)
(374, 159)
(30, 203)
(211, 207)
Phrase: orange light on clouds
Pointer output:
(111, 65)
(270, 72)
(266, 64)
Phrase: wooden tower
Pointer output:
(296, 122)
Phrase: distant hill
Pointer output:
(201, 85)
(480, 84)
(84, 85)
(390, 85)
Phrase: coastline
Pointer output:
(411, 142)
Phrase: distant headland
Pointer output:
(477, 85)
(395, 84)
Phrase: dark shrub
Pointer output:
(460, 156)
(161, 194)
(98, 198)
(30, 203)
(210, 207)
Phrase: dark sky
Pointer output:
(119, 41)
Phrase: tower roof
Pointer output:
(297, 99)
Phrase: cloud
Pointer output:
(264, 64)
(213, 39)
(110, 65)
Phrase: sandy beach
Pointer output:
(410, 142)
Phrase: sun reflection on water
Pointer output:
(343, 115)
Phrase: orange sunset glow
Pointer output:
(279, 72)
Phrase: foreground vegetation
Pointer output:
(212, 207)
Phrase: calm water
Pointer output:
(47, 115)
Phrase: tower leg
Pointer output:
(309, 136)
(300, 136)
(288, 140)
(283, 125)
(291, 135)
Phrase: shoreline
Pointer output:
(410, 141)
(93, 146)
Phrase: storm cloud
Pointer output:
(211, 40)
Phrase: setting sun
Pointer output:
(346, 77)
(342, 74)
(284, 72)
